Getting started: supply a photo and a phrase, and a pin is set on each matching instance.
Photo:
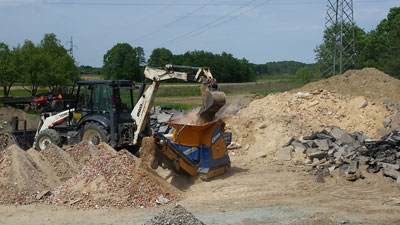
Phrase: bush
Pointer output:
(304, 75)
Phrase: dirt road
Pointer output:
(260, 192)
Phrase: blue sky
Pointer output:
(258, 30)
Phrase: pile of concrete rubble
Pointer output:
(159, 117)
(335, 148)
(177, 216)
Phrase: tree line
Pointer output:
(379, 48)
(125, 62)
(31, 66)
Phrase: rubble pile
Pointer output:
(368, 82)
(269, 123)
(159, 117)
(85, 176)
(351, 153)
(112, 180)
(177, 216)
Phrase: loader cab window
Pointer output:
(95, 98)
(126, 98)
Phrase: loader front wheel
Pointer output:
(95, 133)
(47, 137)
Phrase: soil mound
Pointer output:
(368, 82)
(22, 176)
(111, 180)
(269, 123)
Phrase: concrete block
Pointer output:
(284, 153)
(323, 144)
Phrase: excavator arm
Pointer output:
(212, 98)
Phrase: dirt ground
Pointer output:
(258, 189)
(256, 193)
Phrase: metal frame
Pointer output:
(340, 20)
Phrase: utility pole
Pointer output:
(71, 47)
(339, 23)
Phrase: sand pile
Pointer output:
(22, 176)
(269, 123)
(368, 82)
(84, 176)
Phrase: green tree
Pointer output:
(120, 62)
(8, 68)
(382, 48)
(61, 69)
(139, 53)
(32, 67)
(160, 57)
(324, 50)
(304, 75)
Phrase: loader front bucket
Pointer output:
(24, 139)
(212, 102)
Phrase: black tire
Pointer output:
(95, 133)
(57, 105)
(47, 137)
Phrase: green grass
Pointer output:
(23, 92)
(179, 106)
(180, 91)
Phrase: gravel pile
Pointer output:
(335, 148)
(85, 176)
(111, 180)
(177, 216)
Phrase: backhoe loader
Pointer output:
(105, 111)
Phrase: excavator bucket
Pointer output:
(212, 102)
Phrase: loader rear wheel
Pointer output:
(95, 133)
(47, 137)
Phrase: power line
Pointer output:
(71, 47)
(175, 21)
(179, 4)
(223, 22)
(206, 25)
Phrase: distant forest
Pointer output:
(279, 68)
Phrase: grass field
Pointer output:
(170, 92)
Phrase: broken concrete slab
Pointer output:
(323, 144)
(390, 172)
(299, 148)
(284, 153)
(341, 135)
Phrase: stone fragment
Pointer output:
(323, 144)
(164, 117)
(284, 153)
(390, 172)
(319, 155)
(361, 103)
(311, 150)
(341, 135)
(299, 148)
(386, 122)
